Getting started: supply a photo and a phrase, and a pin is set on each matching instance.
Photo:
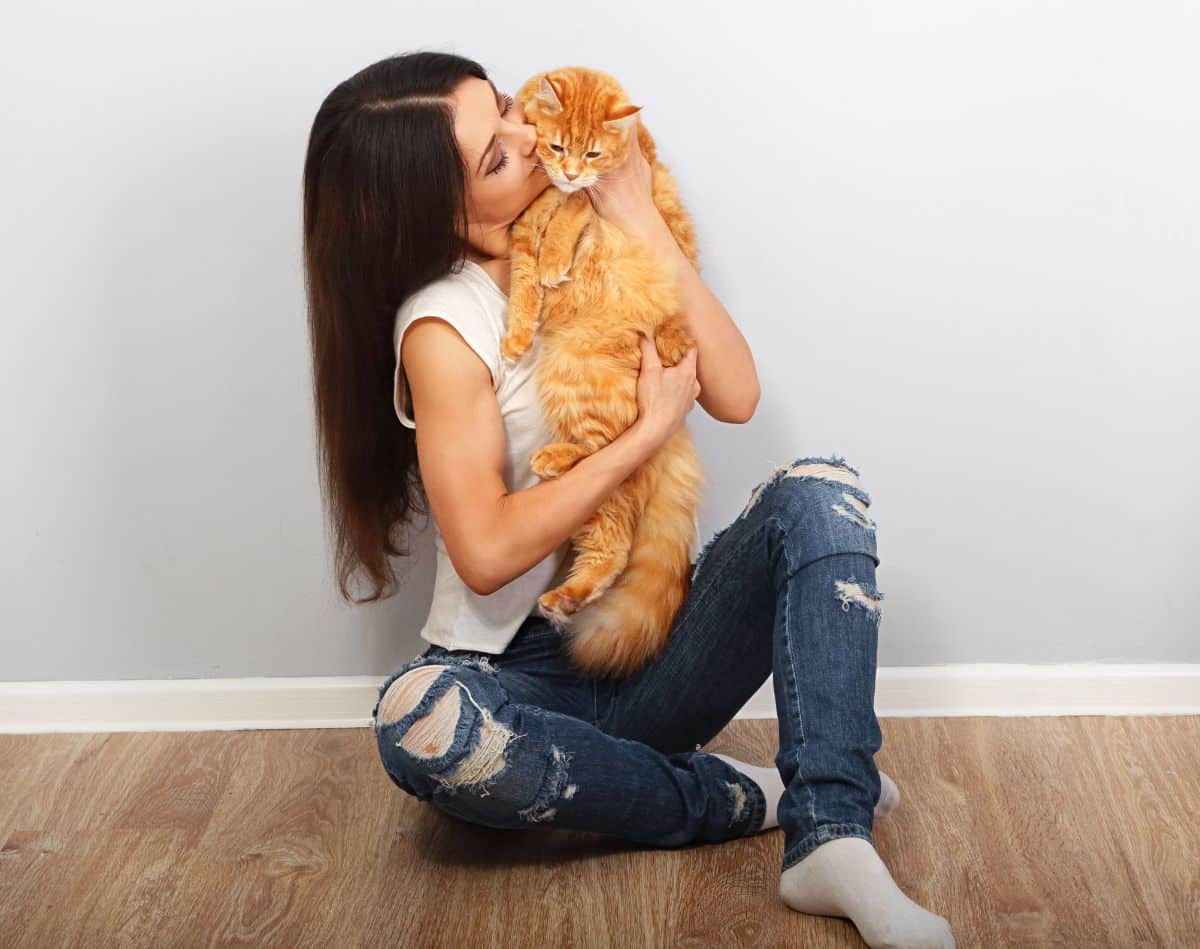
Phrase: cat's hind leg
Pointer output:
(602, 548)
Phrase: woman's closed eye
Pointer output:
(508, 101)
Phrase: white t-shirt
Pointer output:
(471, 302)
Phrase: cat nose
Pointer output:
(569, 176)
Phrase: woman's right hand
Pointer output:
(625, 194)
(665, 395)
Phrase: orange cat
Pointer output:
(587, 291)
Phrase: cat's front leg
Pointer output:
(556, 257)
(524, 291)
(555, 459)
(524, 305)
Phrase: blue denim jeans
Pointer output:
(787, 588)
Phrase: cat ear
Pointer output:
(622, 118)
(547, 97)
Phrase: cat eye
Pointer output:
(592, 155)
(557, 148)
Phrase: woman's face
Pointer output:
(499, 149)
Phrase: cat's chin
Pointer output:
(569, 187)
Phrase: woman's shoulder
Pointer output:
(468, 292)
(476, 311)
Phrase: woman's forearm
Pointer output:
(729, 389)
(532, 523)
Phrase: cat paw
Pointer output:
(672, 341)
(552, 279)
(557, 607)
(555, 459)
(514, 347)
(570, 598)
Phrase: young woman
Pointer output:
(416, 167)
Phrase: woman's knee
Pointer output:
(432, 733)
(824, 494)
(441, 728)
(447, 734)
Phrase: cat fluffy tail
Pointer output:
(632, 620)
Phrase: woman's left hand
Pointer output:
(624, 195)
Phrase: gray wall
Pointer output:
(961, 240)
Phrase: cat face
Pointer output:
(583, 123)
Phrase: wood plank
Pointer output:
(1071, 831)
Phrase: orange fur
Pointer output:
(587, 290)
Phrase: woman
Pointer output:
(416, 167)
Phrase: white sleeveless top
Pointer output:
(477, 308)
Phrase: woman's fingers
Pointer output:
(649, 352)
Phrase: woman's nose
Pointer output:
(530, 133)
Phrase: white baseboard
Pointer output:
(1002, 689)
(346, 701)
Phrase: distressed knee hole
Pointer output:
(826, 471)
(432, 735)
(486, 759)
(818, 469)
(557, 787)
(403, 694)
(856, 512)
(861, 594)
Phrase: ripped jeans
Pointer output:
(522, 739)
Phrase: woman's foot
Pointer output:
(889, 796)
(846, 877)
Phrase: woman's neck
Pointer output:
(489, 241)
(493, 258)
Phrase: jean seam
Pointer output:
(823, 834)
(693, 602)
(690, 605)
(793, 689)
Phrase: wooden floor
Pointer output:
(1072, 832)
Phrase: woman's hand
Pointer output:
(624, 195)
(665, 396)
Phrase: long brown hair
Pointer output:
(384, 205)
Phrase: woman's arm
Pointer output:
(493, 536)
(530, 524)
(728, 379)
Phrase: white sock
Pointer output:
(846, 877)
(772, 787)
(889, 796)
